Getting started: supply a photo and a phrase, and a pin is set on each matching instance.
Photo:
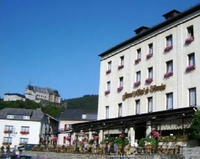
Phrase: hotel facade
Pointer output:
(151, 81)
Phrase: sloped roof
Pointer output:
(35, 114)
(76, 114)
(16, 94)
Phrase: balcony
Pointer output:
(108, 71)
(168, 48)
(189, 68)
(168, 74)
(189, 40)
(120, 67)
(136, 84)
(24, 132)
(137, 60)
(149, 55)
(7, 131)
(6, 143)
(148, 80)
(107, 92)
(119, 89)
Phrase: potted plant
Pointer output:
(195, 126)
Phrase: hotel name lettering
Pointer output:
(139, 92)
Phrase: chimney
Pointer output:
(141, 30)
(171, 14)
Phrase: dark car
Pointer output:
(26, 147)
(11, 156)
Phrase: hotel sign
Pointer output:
(144, 91)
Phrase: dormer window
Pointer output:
(10, 116)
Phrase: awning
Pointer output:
(54, 139)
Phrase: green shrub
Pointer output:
(152, 141)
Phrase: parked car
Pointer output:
(26, 147)
(12, 156)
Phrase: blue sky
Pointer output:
(56, 43)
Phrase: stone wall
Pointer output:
(185, 153)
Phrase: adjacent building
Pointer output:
(42, 95)
(21, 126)
(14, 97)
(72, 116)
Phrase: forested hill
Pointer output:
(87, 102)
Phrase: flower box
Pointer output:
(120, 67)
(6, 143)
(107, 92)
(168, 74)
(7, 131)
(68, 138)
(190, 68)
(168, 48)
(149, 55)
(149, 80)
(137, 60)
(189, 40)
(136, 84)
(24, 132)
(108, 71)
(119, 89)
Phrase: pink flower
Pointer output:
(136, 84)
(189, 40)
(155, 134)
(168, 74)
(137, 60)
(149, 55)
(149, 80)
(120, 67)
(168, 48)
(107, 92)
(108, 71)
(190, 68)
(122, 135)
(119, 89)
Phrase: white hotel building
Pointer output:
(150, 76)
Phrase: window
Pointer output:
(120, 87)
(169, 97)
(190, 31)
(169, 43)
(138, 58)
(150, 53)
(121, 63)
(107, 88)
(26, 117)
(8, 128)
(137, 103)
(169, 69)
(7, 140)
(23, 141)
(10, 116)
(120, 110)
(138, 79)
(150, 48)
(107, 112)
(150, 104)
(150, 75)
(24, 130)
(190, 35)
(191, 63)
(109, 67)
(192, 96)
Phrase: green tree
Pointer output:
(196, 126)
